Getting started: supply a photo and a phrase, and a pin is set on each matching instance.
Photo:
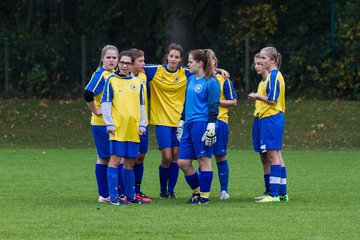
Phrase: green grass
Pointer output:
(51, 194)
(310, 125)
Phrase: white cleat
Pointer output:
(103, 200)
(224, 195)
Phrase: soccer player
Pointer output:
(137, 70)
(167, 93)
(92, 95)
(272, 122)
(228, 98)
(123, 111)
(196, 129)
(256, 127)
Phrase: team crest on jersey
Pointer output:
(133, 87)
(176, 79)
(198, 88)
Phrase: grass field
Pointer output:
(51, 194)
(310, 125)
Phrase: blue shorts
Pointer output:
(272, 131)
(222, 135)
(144, 142)
(101, 139)
(191, 146)
(166, 137)
(124, 149)
(256, 136)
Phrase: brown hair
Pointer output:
(273, 53)
(136, 53)
(173, 46)
(104, 51)
(128, 54)
(204, 56)
(213, 56)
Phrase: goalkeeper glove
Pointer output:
(180, 129)
(209, 136)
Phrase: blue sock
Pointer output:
(129, 183)
(223, 172)
(267, 182)
(205, 180)
(112, 177)
(193, 181)
(283, 190)
(121, 188)
(173, 176)
(275, 176)
(138, 172)
(163, 176)
(101, 178)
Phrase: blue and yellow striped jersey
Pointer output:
(258, 102)
(274, 89)
(227, 93)
(96, 85)
(167, 94)
(126, 96)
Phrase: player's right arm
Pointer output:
(106, 105)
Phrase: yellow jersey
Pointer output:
(167, 94)
(258, 102)
(126, 96)
(96, 85)
(227, 92)
(274, 90)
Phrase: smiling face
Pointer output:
(125, 65)
(110, 59)
(173, 59)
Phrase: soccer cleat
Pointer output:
(269, 199)
(116, 201)
(261, 197)
(224, 195)
(164, 194)
(103, 199)
(172, 195)
(284, 198)
(135, 201)
(143, 197)
(194, 198)
(201, 200)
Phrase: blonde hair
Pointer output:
(213, 56)
(104, 51)
(273, 54)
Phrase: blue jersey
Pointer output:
(202, 99)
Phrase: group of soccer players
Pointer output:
(188, 106)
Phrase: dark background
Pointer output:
(319, 41)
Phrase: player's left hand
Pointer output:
(209, 137)
(142, 130)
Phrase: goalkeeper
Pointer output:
(196, 131)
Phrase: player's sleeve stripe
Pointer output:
(227, 81)
(99, 81)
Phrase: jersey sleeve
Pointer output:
(273, 87)
(213, 91)
(142, 102)
(96, 83)
(108, 93)
(229, 90)
(150, 71)
(187, 72)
